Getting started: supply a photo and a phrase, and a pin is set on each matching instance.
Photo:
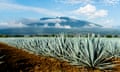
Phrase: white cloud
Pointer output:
(28, 20)
(87, 9)
(100, 13)
(108, 23)
(29, 8)
(5, 0)
(24, 22)
(54, 20)
(74, 1)
(46, 25)
(90, 11)
(67, 26)
(11, 24)
(111, 2)
(57, 25)
(106, 2)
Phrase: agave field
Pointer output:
(90, 52)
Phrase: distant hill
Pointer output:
(63, 22)
(41, 31)
(58, 25)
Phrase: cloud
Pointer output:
(29, 8)
(74, 1)
(5, 0)
(11, 24)
(28, 20)
(57, 25)
(54, 20)
(46, 25)
(111, 2)
(108, 23)
(106, 2)
(90, 11)
(24, 23)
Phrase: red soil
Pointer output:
(18, 60)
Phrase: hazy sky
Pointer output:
(104, 12)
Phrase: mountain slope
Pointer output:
(41, 31)
(63, 22)
(58, 25)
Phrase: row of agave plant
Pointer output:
(91, 52)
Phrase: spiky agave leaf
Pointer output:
(93, 54)
(89, 52)
(1, 57)
(113, 49)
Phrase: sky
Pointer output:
(103, 12)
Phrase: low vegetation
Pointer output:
(92, 53)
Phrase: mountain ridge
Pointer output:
(60, 22)
(58, 25)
